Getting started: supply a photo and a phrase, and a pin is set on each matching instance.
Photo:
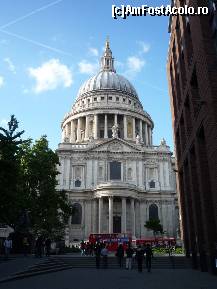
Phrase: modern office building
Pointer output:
(192, 77)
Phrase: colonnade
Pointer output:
(82, 128)
(101, 212)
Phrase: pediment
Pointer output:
(115, 145)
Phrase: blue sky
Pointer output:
(49, 48)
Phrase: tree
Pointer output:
(10, 197)
(48, 208)
(154, 225)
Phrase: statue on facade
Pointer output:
(115, 130)
(66, 139)
(91, 139)
(138, 139)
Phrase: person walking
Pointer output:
(104, 253)
(25, 246)
(149, 256)
(129, 253)
(98, 255)
(7, 247)
(39, 247)
(139, 257)
(120, 255)
(48, 246)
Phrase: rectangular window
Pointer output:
(115, 170)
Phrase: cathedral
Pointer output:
(115, 178)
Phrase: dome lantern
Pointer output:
(107, 61)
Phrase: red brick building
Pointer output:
(192, 77)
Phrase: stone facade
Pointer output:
(114, 176)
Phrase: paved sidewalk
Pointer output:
(117, 279)
(16, 263)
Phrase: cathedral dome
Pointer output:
(107, 80)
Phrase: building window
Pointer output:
(152, 184)
(117, 98)
(153, 212)
(109, 133)
(95, 99)
(110, 98)
(115, 170)
(129, 101)
(124, 99)
(102, 97)
(100, 172)
(76, 214)
(101, 133)
(77, 183)
(129, 174)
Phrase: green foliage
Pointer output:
(28, 183)
(49, 209)
(154, 225)
(11, 200)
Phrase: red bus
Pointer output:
(112, 240)
(161, 241)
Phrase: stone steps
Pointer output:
(59, 263)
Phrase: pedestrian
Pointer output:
(120, 255)
(104, 254)
(7, 247)
(149, 256)
(139, 257)
(82, 248)
(98, 254)
(48, 246)
(25, 246)
(39, 247)
(129, 253)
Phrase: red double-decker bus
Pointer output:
(112, 240)
(161, 241)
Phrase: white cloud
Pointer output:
(51, 75)
(145, 47)
(3, 122)
(1, 81)
(10, 65)
(135, 64)
(93, 51)
(87, 67)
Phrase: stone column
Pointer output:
(110, 215)
(79, 130)
(95, 126)
(67, 130)
(125, 126)
(106, 127)
(123, 216)
(140, 130)
(149, 135)
(146, 134)
(100, 215)
(86, 135)
(132, 209)
(134, 128)
(72, 139)
(94, 220)
(115, 119)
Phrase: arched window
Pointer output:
(77, 183)
(129, 174)
(76, 214)
(153, 212)
(152, 184)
